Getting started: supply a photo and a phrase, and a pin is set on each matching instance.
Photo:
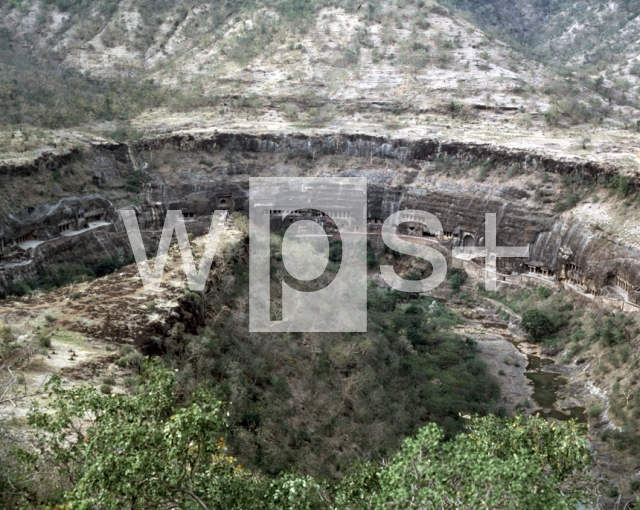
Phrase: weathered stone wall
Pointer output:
(360, 145)
(90, 248)
(45, 220)
(554, 243)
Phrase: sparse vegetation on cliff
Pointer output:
(59, 275)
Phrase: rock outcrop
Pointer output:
(88, 228)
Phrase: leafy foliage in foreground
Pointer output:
(141, 450)
(151, 450)
(501, 463)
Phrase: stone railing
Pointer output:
(624, 305)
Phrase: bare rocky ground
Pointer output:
(88, 324)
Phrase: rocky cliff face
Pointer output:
(200, 174)
(405, 150)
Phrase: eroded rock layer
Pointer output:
(199, 175)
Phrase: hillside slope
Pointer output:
(325, 59)
(80, 73)
(595, 43)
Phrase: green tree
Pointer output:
(456, 277)
(537, 324)
(160, 449)
(142, 451)
(522, 462)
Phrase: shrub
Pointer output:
(49, 318)
(350, 56)
(135, 181)
(537, 324)
(443, 59)
(570, 200)
(483, 173)
(512, 171)
(105, 389)
(132, 359)
(106, 267)
(7, 335)
(109, 381)
(44, 341)
(543, 292)
(577, 335)
(194, 297)
(552, 115)
(456, 277)
(122, 362)
(130, 382)
(124, 133)
(75, 295)
(621, 184)
(595, 409)
(18, 289)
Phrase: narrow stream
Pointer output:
(546, 384)
(545, 387)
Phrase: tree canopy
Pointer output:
(159, 449)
